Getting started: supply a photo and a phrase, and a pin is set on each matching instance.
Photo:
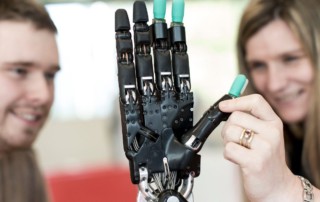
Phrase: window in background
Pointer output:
(86, 86)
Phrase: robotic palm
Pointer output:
(156, 104)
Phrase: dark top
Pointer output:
(294, 146)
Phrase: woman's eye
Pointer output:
(290, 58)
(256, 66)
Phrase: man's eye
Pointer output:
(50, 76)
(19, 71)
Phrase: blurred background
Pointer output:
(83, 132)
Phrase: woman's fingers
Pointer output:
(253, 127)
(252, 112)
(233, 133)
(239, 155)
(248, 121)
(254, 104)
(253, 139)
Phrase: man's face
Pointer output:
(28, 63)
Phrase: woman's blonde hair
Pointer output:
(303, 17)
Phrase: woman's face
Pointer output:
(281, 71)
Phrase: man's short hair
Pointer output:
(27, 10)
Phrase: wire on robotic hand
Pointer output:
(156, 104)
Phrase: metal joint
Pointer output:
(131, 96)
(166, 83)
(193, 143)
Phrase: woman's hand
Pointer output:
(266, 176)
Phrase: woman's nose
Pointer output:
(277, 78)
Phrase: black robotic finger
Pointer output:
(180, 59)
(161, 48)
(126, 72)
(142, 43)
(196, 137)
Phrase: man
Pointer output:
(28, 64)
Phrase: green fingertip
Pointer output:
(159, 9)
(177, 11)
(238, 85)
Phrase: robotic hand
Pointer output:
(156, 104)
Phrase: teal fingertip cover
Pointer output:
(159, 9)
(238, 85)
(177, 11)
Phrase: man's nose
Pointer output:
(39, 90)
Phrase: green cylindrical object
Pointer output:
(238, 85)
(159, 9)
(177, 11)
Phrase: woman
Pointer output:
(28, 63)
(273, 134)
